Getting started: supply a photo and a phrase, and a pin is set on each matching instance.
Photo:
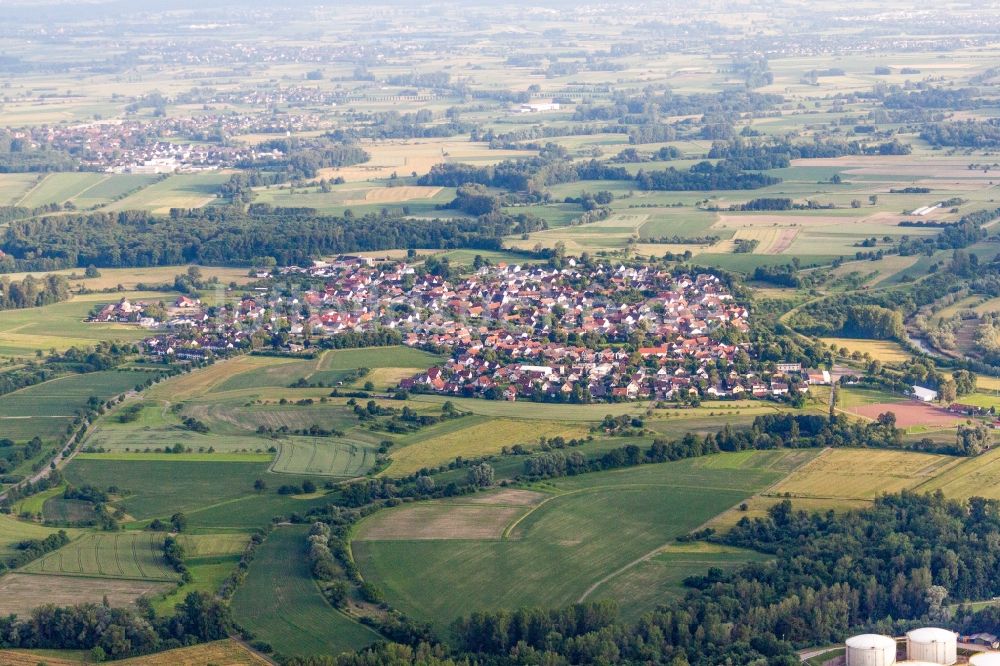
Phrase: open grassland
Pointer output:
(20, 592)
(61, 325)
(861, 474)
(571, 545)
(885, 351)
(479, 437)
(127, 555)
(281, 604)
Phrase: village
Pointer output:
(580, 333)
(164, 145)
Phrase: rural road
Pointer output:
(62, 458)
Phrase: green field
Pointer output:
(13, 531)
(161, 488)
(571, 546)
(324, 456)
(281, 604)
(125, 555)
(63, 396)
(62, 325)
(176, 191)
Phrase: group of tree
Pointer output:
(226, 236)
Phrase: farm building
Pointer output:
(924, 394)
(538, 107)
(982, 638)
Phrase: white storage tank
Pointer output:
(985, 659)
(938, 646)
(871, 650)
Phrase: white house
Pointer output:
(924, 394)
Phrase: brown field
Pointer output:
(404, 157)
(19, 592)
(508, 497)
(394, 194)
(755, 220)
(130, 277)
(219, 653)
(435, 521)
(909, 413)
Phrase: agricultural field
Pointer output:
(61, 325)
(417, 156)
(324, 456)
(131, 278)
(160, 488)
(175, 191)
(475, 437)
(861, 474)
(63, 396)
(222, 653)
(13, 531)
(571, 545)
(885, 351)
(20, 592)
(120, 555)
(282, 605)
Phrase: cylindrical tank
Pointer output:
(985, 659)
(870, 650)
(938, 646)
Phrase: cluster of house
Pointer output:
(124, 312)
(266, 97)
(583, 375)
(165, 145)
(509, 331)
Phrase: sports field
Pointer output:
(281, 604)
(586, 533)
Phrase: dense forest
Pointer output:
(227, 236)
